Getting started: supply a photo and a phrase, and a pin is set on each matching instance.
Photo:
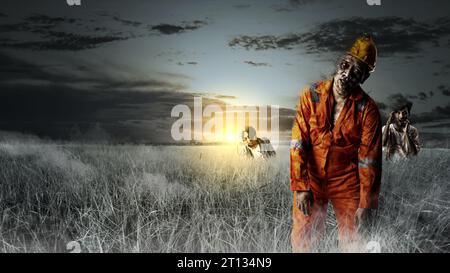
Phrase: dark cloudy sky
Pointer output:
(124, 64)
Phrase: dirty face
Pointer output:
(350, 73)
(252, 143)
(245, 136)
(248, 141)
(401, 117)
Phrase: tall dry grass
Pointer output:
(193, 199)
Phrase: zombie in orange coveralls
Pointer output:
(335, 152)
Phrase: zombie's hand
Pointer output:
(410, 140)
(362, 217)
(407, 126)
(305, 200)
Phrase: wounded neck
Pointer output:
(338, 98)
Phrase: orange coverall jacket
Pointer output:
(339, 162)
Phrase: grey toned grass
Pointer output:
(193, 199)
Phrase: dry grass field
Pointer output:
(193, 199)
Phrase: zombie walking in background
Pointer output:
(255, 147)
(400, 138)
(335, 153)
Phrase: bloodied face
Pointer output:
(401, 116)
(249, 137)
(350, 73)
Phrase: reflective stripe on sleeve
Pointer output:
(368, 162)
(298, 144)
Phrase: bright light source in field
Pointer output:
(228, 137)
(231, 137)
(213, 123)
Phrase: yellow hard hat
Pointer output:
(364, 49)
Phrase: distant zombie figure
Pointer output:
(400, 138)
(255, 147)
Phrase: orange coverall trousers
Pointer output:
(342, 191)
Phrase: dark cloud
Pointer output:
(189, 63)
(168, 29)
(423, 96)
(14, 70)
(140, 84)
(443, 110)
(19, 27)
(445, 90)
(116, 18)
(444, 70)
(6, 40)
(256, 64)
(291, 5)
(64, 41)
(100, 29)
(301, 2)
(48, 21)
(266, 42)
(392, 34)
(437, 114)
(38, 24)
(43, 32)
(3, 15)
(127, 22)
